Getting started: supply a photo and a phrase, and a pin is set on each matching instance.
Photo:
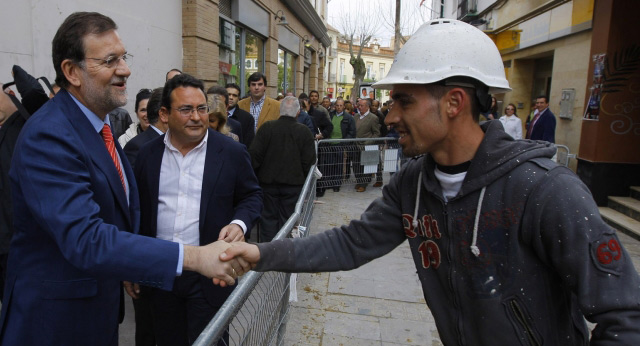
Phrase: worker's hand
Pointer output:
(231, 233)
(133, 290)
(246, 255)
(206, 261)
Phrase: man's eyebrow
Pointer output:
(402, 97)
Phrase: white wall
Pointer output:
(151, 31)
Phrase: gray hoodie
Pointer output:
(516, 258)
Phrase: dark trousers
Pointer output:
(182, 314)
(335, 165)
(358, 169)
(3, 273)
(279, 202)
(145, 334)
(324, 161)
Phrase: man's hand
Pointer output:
(231, 233)
(133, 290)
(247, 255)
(206, 261)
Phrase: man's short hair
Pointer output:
(368, 100)
(143, 94)
(181, 80)
(219, 90)
(256, 76)
(326, 98)
(437, 91)
(153, 106)
(546, 99)
(166, 77)
(314, 92)
(289, 106)
(234, 86)
(303, 96)
(68, 43)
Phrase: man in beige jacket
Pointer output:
(261, 107)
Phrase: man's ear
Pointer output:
(164, 114)
(454, 101)
(71, 72)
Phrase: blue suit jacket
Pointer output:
(73, 241)
(230, 191)
(545, 127)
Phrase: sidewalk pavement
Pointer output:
(380, 303)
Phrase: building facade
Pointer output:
(340, 75)
(218, 41)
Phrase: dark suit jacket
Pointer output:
(247, 123)
(8, 137)
(73, 244)
(545, 128)
(229, 192)
(133, 146)
(236, 128)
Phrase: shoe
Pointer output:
(361, 189)
(319, 193)
(377, 184)
(336, 189)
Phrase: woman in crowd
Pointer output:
(218, 119)
(512, 124)
(141, 111)
(492, 113)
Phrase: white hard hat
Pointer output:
(446, 48)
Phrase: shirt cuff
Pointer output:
(241, 224)
(180, 260)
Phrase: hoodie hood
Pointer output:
(497, 155)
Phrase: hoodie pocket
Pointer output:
(522, 322)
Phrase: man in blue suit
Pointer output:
(543, 125)
(76, 205)
(196, 186)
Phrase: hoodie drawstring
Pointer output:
(474, 248)
(415, 212)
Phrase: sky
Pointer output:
(381, 12)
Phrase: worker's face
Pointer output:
(234, 95)
(541, 104)
(417, 118)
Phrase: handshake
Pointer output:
(223, 261)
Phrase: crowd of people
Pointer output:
(162, 207)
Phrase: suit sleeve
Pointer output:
(131, 150)
(57, 179)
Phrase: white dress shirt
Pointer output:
(179, 193)
(512, 125)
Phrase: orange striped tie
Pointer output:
(108, 141)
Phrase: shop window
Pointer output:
(241, 54)
(286, 72)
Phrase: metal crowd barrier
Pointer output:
(563, 155)
(348, 162)
(256, 312)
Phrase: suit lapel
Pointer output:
(97, 150)
(154, 164)
(213, 164)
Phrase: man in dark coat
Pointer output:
(281, 155)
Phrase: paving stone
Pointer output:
(352, 325)
(406, 332)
